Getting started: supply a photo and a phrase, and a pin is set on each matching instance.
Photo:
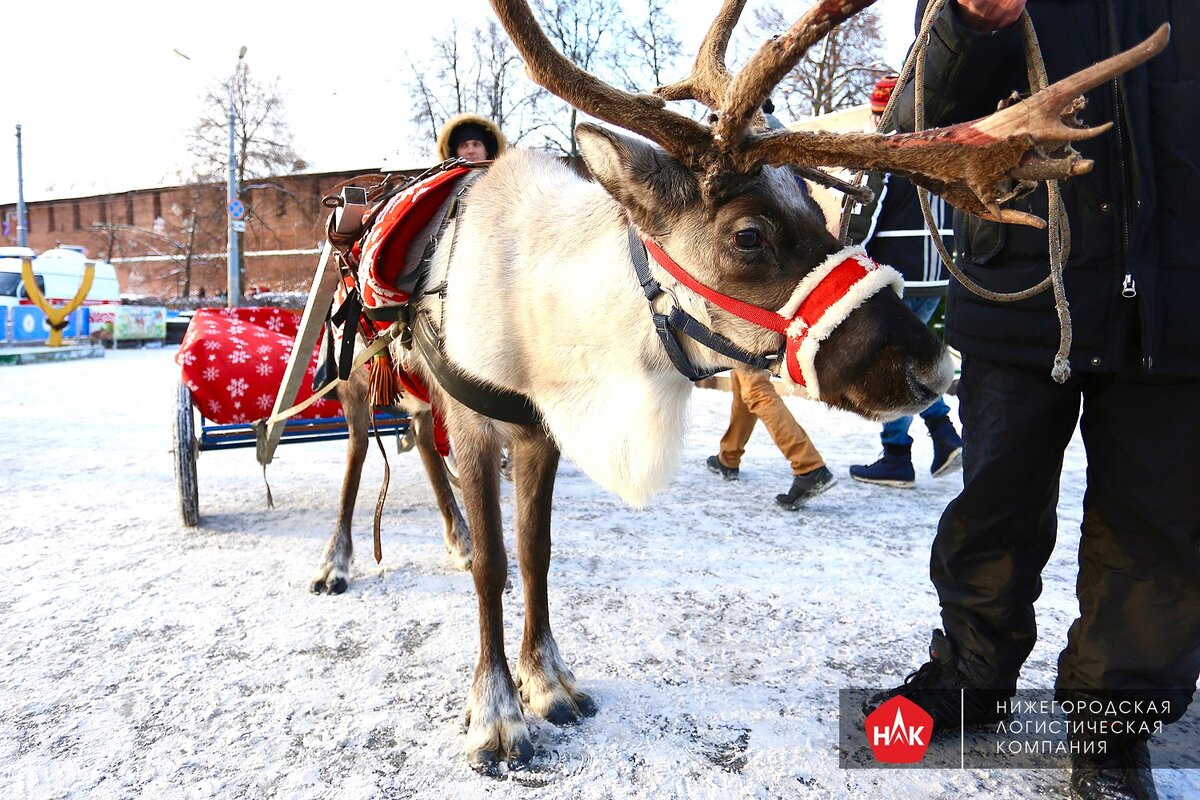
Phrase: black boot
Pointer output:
(805, 487)
(715, 466)
(1122, 772)
(938, 688)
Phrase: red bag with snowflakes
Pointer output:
(233, 361)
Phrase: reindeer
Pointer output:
(545, 287)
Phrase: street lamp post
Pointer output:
(235, 256)
(22, 220)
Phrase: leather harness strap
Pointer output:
(677, 321)
(490, 401)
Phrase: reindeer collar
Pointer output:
(822, 301)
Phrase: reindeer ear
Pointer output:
(639, 176)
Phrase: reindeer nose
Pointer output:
(930, 383)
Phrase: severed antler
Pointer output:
(967, 164)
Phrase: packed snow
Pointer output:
(144, 658)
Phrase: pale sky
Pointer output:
(105, 105)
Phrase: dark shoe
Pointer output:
(1122, 772)
(947, 446)
(805, 487)
(895, 469)
(941, 691)
(728, 473)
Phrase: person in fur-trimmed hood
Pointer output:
(472, 137)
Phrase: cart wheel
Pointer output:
(185, 458)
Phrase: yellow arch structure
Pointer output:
(57, 317)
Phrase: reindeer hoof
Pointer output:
(329, 585)
(565, 712)
(487, 762)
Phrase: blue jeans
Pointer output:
(896, 431)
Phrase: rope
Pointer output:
(1059, 233)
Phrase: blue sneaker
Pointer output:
(895, 469)
(947, 446)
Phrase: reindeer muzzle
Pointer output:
(821, 302)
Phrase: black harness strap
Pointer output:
(677, 321)
(489, 401)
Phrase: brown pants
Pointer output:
(754, 398)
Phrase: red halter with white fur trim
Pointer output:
(822, 301)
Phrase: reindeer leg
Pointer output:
(456, 532)
(545, 681)
(496, 729)
(333, 573)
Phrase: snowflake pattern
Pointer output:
(229, 359)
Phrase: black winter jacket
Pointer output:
(892, 228)
(1135, 219)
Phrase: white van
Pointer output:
(59, 274)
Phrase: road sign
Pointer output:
(239, 225)
(237, 209)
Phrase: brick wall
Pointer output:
(147, 233)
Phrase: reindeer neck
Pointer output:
(542, 300)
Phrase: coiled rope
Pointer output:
(1059, 233)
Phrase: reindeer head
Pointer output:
(723, 199)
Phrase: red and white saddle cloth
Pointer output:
(384, 277)
(233, 360)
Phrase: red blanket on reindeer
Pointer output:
(233, 360)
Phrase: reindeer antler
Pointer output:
(710, 77)
(967, 164)
(646, 114)
(774, 59)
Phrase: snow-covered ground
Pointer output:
(142, 658)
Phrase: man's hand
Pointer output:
(986, 16)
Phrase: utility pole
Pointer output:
(22, 224)
(235, 259)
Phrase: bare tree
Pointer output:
(648, 52)
(484, 77)
(586, 32)
(838, 72)
(262, 139)
(479, 71)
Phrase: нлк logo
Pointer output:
(898, 731)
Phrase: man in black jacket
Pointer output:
(1133, 283)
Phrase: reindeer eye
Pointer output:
(748, 239)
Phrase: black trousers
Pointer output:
(1139, 555)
